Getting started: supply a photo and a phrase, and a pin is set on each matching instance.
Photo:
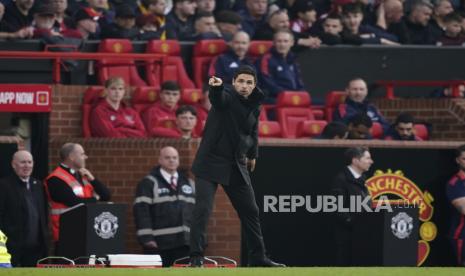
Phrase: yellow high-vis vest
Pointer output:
(5, 258)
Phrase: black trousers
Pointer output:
(242, 198)
(168, 256)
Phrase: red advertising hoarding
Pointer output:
(25, 98)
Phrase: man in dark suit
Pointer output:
(348, 183)
(227, 152)
(23, 213)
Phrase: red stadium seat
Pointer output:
(91, 96)
(258, 48)
(421, 131)
(310, 128)
(333, 99)
(376, 130)
(191, 96)
(269, 129)
(172, 66)
(123, 68)
(263, 116)
(203, 53)
(292, 108)
(143, 97)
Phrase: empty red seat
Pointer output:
(310, 128)
(143, 97)
(191, 96)
(91, 96)
(269, 129)
(333, 99)
(118, 67)
(203, 53)
(258, 48)
(291, 109)
(421, 131)
(172, 66)
(376, 130)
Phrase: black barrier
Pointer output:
(302, 238)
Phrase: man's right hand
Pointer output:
(214, 81)
(151, 245)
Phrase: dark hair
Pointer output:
(147, 3)
(334, 129)
(203, 14)
(352, 8)
(361, 119)
(355, 152)
(66, 150)
(186, 108)
(333, 15)
(246, 69)
(283, 31)
(404, 118)
(459, 150)
(230, 17)
(452, 17)
(170, 85)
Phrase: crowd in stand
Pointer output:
(312, 22)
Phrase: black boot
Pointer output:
(196, 261)
(265, 262)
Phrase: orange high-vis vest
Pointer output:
(81, 191)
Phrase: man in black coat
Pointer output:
(23, 213)
(227, 152)
(350, 182)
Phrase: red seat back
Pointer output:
(203, 53)
(376, 130)
(164, 47)
(124, 68)
(421, 131)
(91, 96)
(258, 48)
(310, 128)
(143, 97)
(293, 107)
(269, 129)
(333, 99)
(191, 96)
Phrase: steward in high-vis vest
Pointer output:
(5, 258)
(71, 184)
(162, 209)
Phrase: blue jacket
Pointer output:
(277, 74)
(249, 24)
(224, 65)
(344, 112)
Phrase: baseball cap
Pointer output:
(125, 11)
(87, 13)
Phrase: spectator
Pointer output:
(229, 23)
(305, 16)
(277, 68)
(415, 28)
(205, 27)
(156, 8)
(23, 213)
(334, 130)
(5, 30)
(64, 23)
(181, 19)
(333, 32)
(124, 25)
(224, 65)
(254, 15)
(359, 127)
(18, 16)
(389, 12)
(110, 117)
(44, 22)
(186, 120)
(440, 10)
(403, 129)
(148, 27)
(452, 35)
(356, 102)
(206, 6)
(352, 16)
(163, 110)
(87, 22)
(163, 218)
(107, 15)
(455, 192)
(71, 183)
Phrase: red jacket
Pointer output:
(105, 121)
(155, 115)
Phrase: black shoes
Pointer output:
(265, 263)
(196, 261)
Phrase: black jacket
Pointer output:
(164, 216)
(230, 135)
(14, 215)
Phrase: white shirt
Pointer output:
(354, 173)
(167, 176)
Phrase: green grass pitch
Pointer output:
(291, 271)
